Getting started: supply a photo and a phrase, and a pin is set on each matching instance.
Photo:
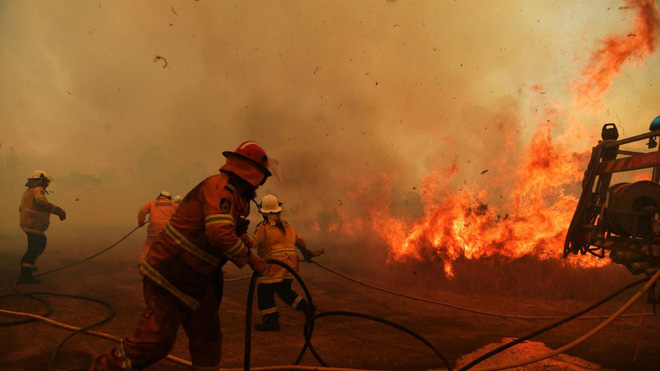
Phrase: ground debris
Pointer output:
(527, 350)
(158, 57)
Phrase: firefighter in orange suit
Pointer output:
(159, 212)
(182, 272)
(276, 239)
(35, 213)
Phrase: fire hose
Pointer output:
(485, 313)
(93, 256)
(551, 326)
(50, 308)
(562, 320)
(586, 336)
(248, 326)
(309, 325)
(169, 357)
(87, 329)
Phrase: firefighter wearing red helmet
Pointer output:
(182, 275)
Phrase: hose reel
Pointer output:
(632, 209)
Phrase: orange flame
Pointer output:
(533, 216)
(606, 62)
(458, 224)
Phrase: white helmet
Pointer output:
(177, 199)
(270, 205)
(165, 194)
(40, 174)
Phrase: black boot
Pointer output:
(271, 323)
(307, 310)
(25, 277)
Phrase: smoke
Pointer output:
(339, 92)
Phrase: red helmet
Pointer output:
(252, 151)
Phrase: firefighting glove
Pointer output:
(140, 224)
(59, 212)
(247, 241)
(257, 264)
(242, 226)
(309, 254)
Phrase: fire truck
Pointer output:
(622, 218)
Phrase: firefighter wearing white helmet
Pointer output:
(177, 199)
(274, 238)
(35, 210)
(160, 212)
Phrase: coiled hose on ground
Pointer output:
(33, 295)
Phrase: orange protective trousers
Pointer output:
(154, 335)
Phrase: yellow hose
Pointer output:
(171, 357)
(584, 337)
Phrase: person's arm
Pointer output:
(258, 236)
(41, 200)
(307, 253)
(142, 214)
(218, 205)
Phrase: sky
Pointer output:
(340, 92)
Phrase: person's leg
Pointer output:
(266, 298)
(36, 246)
(153, 337)
(266, 304)
(293, 299)
(145, 247)
(286, 293)
(203, 329)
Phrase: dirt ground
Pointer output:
(342, 341)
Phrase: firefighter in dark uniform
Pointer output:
(182, 275)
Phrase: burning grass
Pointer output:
(526, 276)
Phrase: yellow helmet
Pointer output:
(40, 174)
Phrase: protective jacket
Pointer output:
(272, 242)
(160, 212)
(202, 235)
(35, 209)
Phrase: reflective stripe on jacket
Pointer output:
(199, 237)
(160, 211)
(35, 210)
(272, 243)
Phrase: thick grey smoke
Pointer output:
(336, 91)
